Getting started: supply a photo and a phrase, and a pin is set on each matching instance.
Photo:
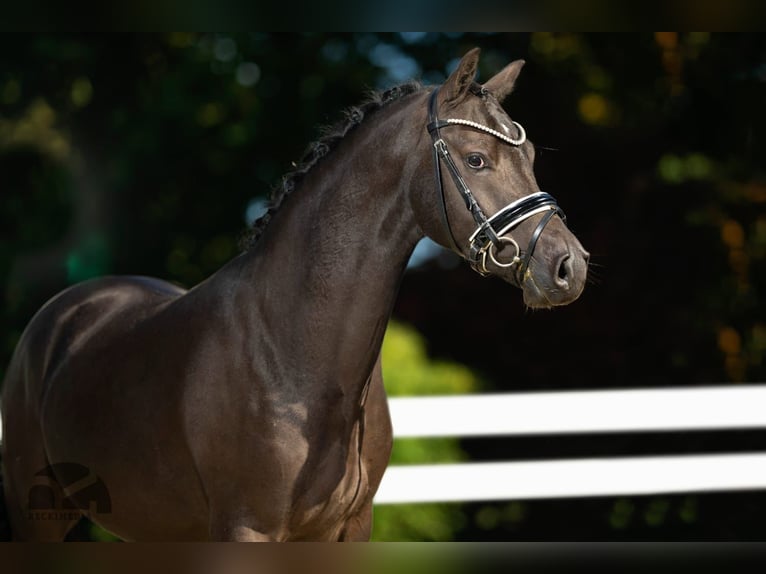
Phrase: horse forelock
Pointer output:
(315, 151)
(495, 110)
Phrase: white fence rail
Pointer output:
(688, 409)
(701, 408)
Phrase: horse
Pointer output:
(251, 407)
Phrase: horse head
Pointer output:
(488, 207)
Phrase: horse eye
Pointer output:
(475, 161)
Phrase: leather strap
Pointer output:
(433, 128)
(527, 257)
(442, 153)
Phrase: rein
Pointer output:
(490, 232)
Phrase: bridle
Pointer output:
(490, 232)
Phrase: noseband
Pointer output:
(490, 232)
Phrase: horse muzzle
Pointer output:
(557, 276)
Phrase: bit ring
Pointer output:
(516, 258)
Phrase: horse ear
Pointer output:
(502, 83)
(456, 86)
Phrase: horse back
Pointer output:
(73, 318)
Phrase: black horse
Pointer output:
(251, 407)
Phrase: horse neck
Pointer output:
(322, 280)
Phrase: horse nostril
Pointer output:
(563, 270)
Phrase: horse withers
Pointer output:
(252, 407)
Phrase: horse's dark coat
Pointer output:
(252, 407)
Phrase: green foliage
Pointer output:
(407, 370)
(417, 522)
(90, 259)
(98, 534)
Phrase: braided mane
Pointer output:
(315, 151)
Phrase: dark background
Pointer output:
(146, 154)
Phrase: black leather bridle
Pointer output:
(490, 232)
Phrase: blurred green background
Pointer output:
(150, 154)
